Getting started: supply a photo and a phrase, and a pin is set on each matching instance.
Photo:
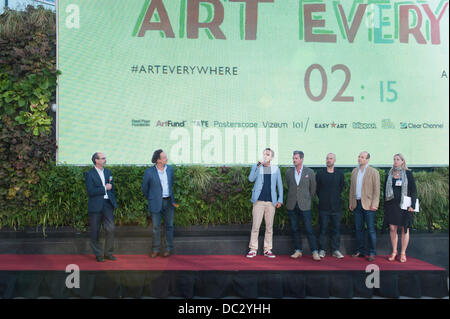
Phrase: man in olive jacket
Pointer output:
(301, 182)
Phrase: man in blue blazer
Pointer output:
(267, 178)
(101, 203)
(157, 187)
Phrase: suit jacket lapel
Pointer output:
(302, 179)
(157, 176)
(106, 173)
(97, 176)
(365, 176)
(169, 175)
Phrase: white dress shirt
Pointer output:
(359, 182)
(298, 176)
(101, 173)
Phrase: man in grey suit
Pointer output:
(301, 182)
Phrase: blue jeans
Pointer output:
(367, 217)
(324, 218)
(307, 223)
(105, 216)
(166, 214)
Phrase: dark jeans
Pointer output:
(335, 218)
(367, 217)
(105, 216)
(166, 214)
(294, 216)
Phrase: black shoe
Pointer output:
(358, 254)
(371, 258)
(100, 259)
(110, 257)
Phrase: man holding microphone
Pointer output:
(101, 203)
(267, 178)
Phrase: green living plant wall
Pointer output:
(206, 195)
(27, 88)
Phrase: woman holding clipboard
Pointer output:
(399, 186)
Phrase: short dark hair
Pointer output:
(271, 151)
(299, 153)
(94, 157)
(368, 155)
(156, 155)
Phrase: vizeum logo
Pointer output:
(403, 125)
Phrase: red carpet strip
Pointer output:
(10, 262)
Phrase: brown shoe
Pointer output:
(154, 254)
(316, 256)
(296, 254)
(166, 254)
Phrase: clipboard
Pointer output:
(407, 203)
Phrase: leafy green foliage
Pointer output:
(27, 41)
(60, 199)
(27, 87)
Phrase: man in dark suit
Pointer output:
(157, 187)
(330, 183)
(101, 204)
(301, 182)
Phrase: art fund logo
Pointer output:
(217, 146)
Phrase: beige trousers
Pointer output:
(267, 210)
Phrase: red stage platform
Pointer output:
(205, 263)
(217, 276)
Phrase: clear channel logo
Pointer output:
(406, 125)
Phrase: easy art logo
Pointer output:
(330, 125)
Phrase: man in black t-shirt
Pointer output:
(330, 183)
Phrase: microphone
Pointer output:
(261, 161)
(110, 180)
